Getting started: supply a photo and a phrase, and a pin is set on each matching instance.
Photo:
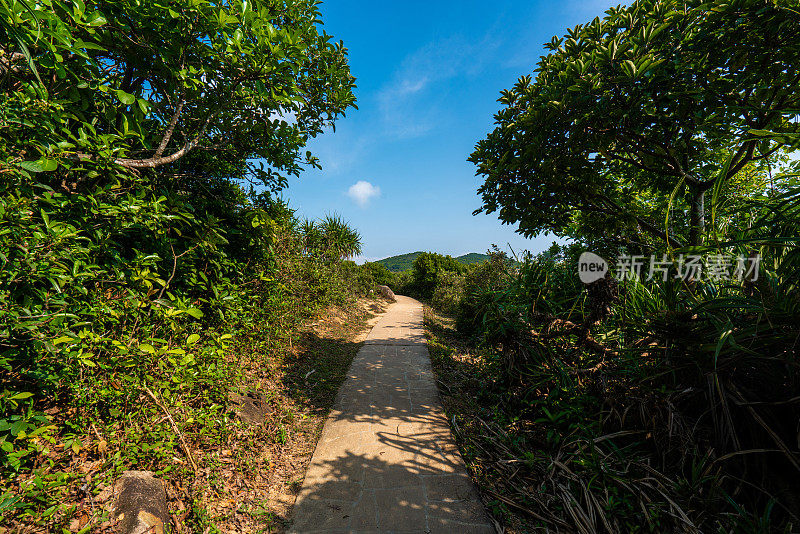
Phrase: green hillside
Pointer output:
(472, 257)
(403, 262)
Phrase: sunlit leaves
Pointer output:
(653, 95)
(331, 238)
(119, 71)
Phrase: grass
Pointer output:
(542, 470)
(555, 460)
(469, 400)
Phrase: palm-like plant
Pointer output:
(339, 240)
(331, 238)
(311, 236)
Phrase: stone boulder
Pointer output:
(141, 504)
(386, 293)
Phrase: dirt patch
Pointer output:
(252, 408)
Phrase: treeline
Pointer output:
(430, 276)
(141, 242)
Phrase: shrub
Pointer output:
(427, 267)
(679, 380)
(481, 283)
(448, 291)
(379, 274)
(110, 292)
(404, 283)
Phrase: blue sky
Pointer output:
(428, 76)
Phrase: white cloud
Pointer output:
(362, 192)
(409, 102)
(409, 87)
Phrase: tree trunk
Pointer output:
(698, 218)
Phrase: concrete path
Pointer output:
(386, 461)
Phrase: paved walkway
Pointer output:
(386, 461)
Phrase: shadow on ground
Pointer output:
(411, 497)
(385, 460)
(315, 374)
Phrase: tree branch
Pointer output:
(171, 127)
(157, 161)
(653, 230)
(610, 154)
(743, 159)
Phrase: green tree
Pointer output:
(239, 85)
(331, 238)
(635, 118)
(130, 252)
(379, 273)
(340, 240)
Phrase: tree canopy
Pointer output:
(146, 84)
(634, 118)
(427, 268)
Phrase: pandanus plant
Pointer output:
(330, 238)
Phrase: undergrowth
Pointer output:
(629, 406)
(126, 315)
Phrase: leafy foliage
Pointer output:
(331, 238)
(428, 267)
(633, 118)
(379, 273)
(131, 257)
(142, 85)
(643, 407)
(646, 405)
(108, 294)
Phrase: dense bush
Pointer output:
(428, 267)
(402, 283)
(379, 273)
(447, 291)
(650, 405)
(676, 395)
(482, 281)
(126, 288)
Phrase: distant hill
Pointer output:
(399, 263)
(406, 261)
(472, 257)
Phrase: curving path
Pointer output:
(386, 461)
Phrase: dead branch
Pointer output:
(157, 161)
(175, 428)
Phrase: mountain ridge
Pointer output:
(402, 262)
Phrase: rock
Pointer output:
(387, 293)
(141, 505)
(250, 408)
